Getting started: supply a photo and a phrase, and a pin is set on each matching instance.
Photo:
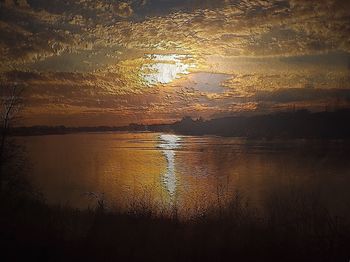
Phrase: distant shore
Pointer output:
(299, 124)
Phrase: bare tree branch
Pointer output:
(11, 103)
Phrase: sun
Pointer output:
(163, 69)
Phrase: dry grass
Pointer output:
(293, 226)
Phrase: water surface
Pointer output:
(189, 172)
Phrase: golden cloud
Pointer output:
(123, 9)
(248, 40)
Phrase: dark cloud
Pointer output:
(302, 94)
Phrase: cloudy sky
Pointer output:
(109, 62)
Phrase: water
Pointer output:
(192, 173)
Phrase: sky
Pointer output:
(108, 62)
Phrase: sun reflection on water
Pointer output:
(169, 143)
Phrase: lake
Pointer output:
(190, 172)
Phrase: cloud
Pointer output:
(233, 28)
(123, 9)
(90, 56)
(23, 4)
(8, 3)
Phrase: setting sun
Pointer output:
(163, 69)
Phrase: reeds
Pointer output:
(292, 226)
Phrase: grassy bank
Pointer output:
(292, 227)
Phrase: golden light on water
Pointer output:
(169, 143)
(146, 168)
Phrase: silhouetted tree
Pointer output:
(11, 103)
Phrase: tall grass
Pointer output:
(292, 226)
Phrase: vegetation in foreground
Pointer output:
(292, 227)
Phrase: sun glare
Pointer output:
(163, 69)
